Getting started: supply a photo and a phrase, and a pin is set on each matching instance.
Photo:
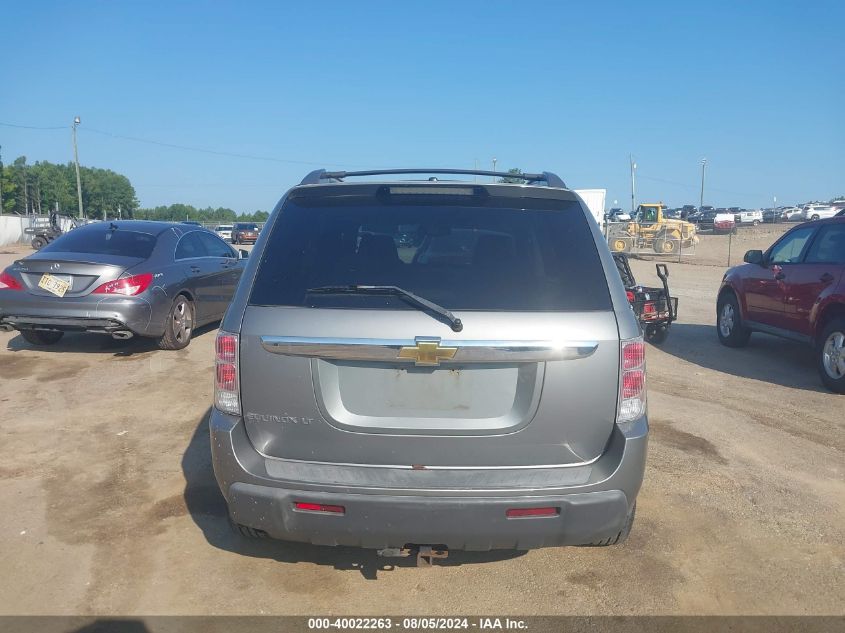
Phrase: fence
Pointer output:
(12, 227)
(708, 249)
(669, 245)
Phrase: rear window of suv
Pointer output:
(101, 240)
(501, 254)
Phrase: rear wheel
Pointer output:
(729, 327)
(755, 223)
(179, 326)
(814, 217)
(831, 355)
(656, 334)
(42, 337)
(38, 243)
(665, 245)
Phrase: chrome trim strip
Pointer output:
(469, 351)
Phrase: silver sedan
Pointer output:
(123, 279)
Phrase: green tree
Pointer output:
(515, 171)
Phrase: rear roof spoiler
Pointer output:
(320, 176)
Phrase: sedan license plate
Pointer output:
(55, 284)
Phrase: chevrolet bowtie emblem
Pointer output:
(427, 352)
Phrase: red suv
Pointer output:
(796, 289)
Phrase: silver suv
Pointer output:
(409, 364)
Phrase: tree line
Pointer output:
(44, 187)
(180, 212)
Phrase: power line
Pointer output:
(34, 127)
(203, 150)
(189, 148)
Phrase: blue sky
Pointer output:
(757, 88)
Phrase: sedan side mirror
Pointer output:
(242, 254)
(753, 257)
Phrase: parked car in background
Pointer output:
(796, 290)
(744, 216)
(124, 279)
(687, 210)
(244, 233)
(477, 359)
(724, 223)
(224, 231)
(773, 215)
(819, 211)
(617, 215)
(705, 219)
(793, 214)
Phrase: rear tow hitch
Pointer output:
(426, 554)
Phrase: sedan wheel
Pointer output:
(179, 326)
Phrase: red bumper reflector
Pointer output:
(532, 512)
(318, 507)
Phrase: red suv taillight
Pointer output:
(127, 286)
(7, 282)
(632, 393)
(226, 391)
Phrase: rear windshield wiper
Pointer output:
(410, 297)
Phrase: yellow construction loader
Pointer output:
(651, 229)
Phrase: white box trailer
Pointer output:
(594, 199)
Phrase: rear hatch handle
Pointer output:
(428, 351)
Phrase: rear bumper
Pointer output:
(86, 314)
(383, 510)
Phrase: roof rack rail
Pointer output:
(321, 175)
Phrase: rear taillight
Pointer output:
(631, 296)
(632, 393)
(126, 286)
(7, 282)
(226, 391)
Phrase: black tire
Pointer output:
(732, 333)
(755, 223)
(623, 534)
(830, 355)
(656, 334)
(179, 326)
(665, 246)
(620, 244)
(234, 240)
(42, 337)
(814, 217)
(38, 243)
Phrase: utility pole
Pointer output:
(25, 191)
(633, 184)
(76, 122)
(1, 180)
(703, 170)
(494, 169)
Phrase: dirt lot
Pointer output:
(108, 504)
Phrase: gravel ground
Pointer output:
(108, 504)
